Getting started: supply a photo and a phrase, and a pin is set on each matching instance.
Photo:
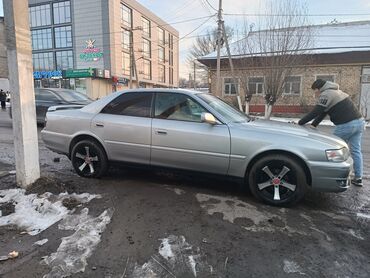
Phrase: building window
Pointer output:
(40, 15)
(64, 59)
(126, 15)
(62, 12)
(126, 40)
(161, 38)
(171, 76)
(292, 85)
(170, 41)
(161, 54)
(326, 77)
(63, 36)
(161, 73)
(42, 39)
(147, 69)
(146, 27)
(146, 49)
(126, 63)
(43, 61)
(170, 57)
(230, 87)
(256, 85)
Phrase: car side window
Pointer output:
(130, 104)
(173, 106)
(45, 95)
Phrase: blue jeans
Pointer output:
(351, 132)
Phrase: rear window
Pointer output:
(130, 104)
(73, 96)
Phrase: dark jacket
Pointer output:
(2, 96)
(335, 103)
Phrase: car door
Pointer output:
(180, 139)
(125, 127)
(44, 99)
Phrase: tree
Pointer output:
(202, 46)
(283, 42)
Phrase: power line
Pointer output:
(310, 15)
(211, 5)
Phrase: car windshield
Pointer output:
(72, 96)
(227, 111)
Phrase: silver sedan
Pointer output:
(198, 132)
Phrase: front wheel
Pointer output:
(89, 159)
(277, 180)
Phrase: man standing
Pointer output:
(2, 98)
(349, 124)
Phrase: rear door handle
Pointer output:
(99, 124)
(161, 132)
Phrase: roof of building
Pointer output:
(326, 39)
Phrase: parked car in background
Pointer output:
(198, 132)
(47, 97)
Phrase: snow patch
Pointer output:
(178, 191)
(41, 242)
(356, 235)
(292, 267)
(72, 254)
(363, 215)
(177, 259)
(35, 213)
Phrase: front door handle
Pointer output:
(99, 124)
(161, 132)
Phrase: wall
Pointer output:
(115, 40)
(347, 76)
(3, 53)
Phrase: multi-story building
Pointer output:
(340, 52)
(4, 81)
(99, 46)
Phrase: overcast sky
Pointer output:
(173, 11)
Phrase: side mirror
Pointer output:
(209, 118)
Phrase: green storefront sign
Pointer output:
(78, 73)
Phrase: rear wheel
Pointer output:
(278, 180)
(89, 159)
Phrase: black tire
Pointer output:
(93, 154)
(294, 178)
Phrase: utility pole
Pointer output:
(131, 56)
(235, 79)
(219, 36)
(195, 85)
(19, 54)
(189, 83)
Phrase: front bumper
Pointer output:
(331, 176)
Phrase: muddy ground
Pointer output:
(165, 224)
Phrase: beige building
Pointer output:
(100, 46)
(338, 57)
(4, 81)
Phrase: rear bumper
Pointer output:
(56, 142)
(331, 176)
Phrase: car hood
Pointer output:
(293, 130)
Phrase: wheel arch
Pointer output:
(81, 137)
(281, 152)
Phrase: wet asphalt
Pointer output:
(230, 234)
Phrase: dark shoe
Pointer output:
(357, 182)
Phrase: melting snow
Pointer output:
(72, 254)
(177, 259)
(35, 213)
(292, 267)
(41, 242)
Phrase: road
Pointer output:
(163, 224)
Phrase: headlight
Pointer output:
(337, 155)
